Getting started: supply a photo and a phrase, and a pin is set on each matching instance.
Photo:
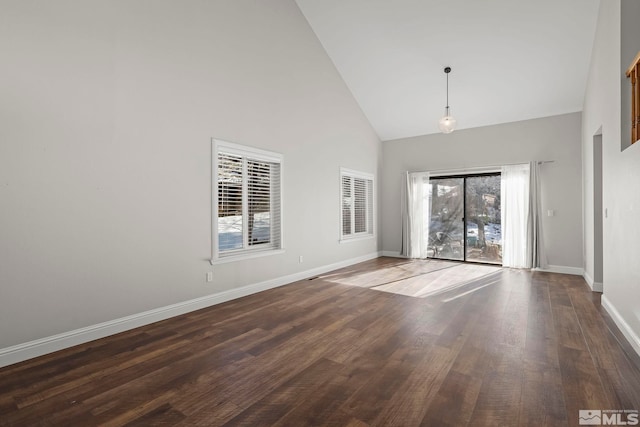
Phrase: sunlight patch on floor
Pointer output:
(439, 281)
(420, 278)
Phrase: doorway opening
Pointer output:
(465, 218)
(598, 252)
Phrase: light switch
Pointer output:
(551, 212)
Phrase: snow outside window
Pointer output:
(357, 204)
(247, 193)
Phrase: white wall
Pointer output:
(554, 138)
(621, 175)
(107, 109)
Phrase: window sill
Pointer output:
(245, 255)
(357, 239)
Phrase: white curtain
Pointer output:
(536, 252)
(522, 245)
(415, 214)
(514, 193)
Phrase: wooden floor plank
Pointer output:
(455, 400)
(541, 368)
(512, 348)
(274, 406)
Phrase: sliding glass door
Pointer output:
(446, 228)
(482, 215)
(465, 218)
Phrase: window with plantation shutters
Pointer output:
(247, 193)
(357, 208)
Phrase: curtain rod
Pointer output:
(479, 168)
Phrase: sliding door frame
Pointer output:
(464, 210)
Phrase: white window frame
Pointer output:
(370, 204)
(246, 252)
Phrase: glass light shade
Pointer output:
(447, 124)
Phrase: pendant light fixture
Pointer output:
(447, 123)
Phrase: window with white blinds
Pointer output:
(357, 207)
(248, 202)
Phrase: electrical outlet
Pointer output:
(300, 259)
(210, 276)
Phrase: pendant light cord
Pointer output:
(447, 123)
(447, 90)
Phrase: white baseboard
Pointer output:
(624, 327)
(39, 347)
(595, 286)
(393, 254)
(562, 269)
(587, 278)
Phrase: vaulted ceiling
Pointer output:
(511, 60)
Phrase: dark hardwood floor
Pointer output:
(513, 348)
